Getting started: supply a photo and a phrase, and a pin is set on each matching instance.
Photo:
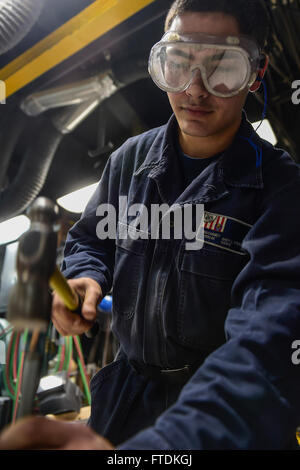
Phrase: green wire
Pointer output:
(66, 353)
(2, 336)
(9, 329)
(12, 396)
(45, 365)
(12, 353)
(85, 385)
(24, 338)
(80, 346)
(59, 352)
(84, 381)
(6, 385)
(70, 352)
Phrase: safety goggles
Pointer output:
(227, 64)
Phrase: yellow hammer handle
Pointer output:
(59, 284)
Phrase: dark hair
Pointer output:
(250, 14)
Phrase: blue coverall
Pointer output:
(227, 313)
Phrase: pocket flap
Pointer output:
(217, 265)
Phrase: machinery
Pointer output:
(74, 85)
(29, 313)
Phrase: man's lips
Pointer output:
(196, 110)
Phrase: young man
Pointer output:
(206, 335)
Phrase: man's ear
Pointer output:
(261, 74)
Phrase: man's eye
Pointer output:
(224, 67)
(179, 66)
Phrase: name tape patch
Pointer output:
(225, 232)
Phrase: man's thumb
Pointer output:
(90, 304)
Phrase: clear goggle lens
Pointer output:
(225, 71)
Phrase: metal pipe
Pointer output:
(16, 20)
(99, 87)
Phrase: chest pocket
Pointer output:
(206, 278)
(129, 263)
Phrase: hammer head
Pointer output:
(30, 298)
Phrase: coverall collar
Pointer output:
(239, 166)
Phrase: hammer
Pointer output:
(30, 299)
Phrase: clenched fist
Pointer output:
(71, 324)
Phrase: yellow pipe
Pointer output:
(90, 24)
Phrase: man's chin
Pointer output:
(196, 130)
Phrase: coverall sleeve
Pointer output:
(246, 395)
(85, 254)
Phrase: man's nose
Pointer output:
(196, 87)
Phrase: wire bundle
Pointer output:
(64, 361)
(18, 345)
(12, 373)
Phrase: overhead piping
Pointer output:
(80, 99)
(16, 20)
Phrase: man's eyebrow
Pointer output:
(181, 53)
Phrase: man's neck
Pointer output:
(205, 147)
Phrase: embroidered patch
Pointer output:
(225, 232)
(214, 222)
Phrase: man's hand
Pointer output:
(43, 433)
(70, 324)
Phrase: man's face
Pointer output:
(199, 113)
